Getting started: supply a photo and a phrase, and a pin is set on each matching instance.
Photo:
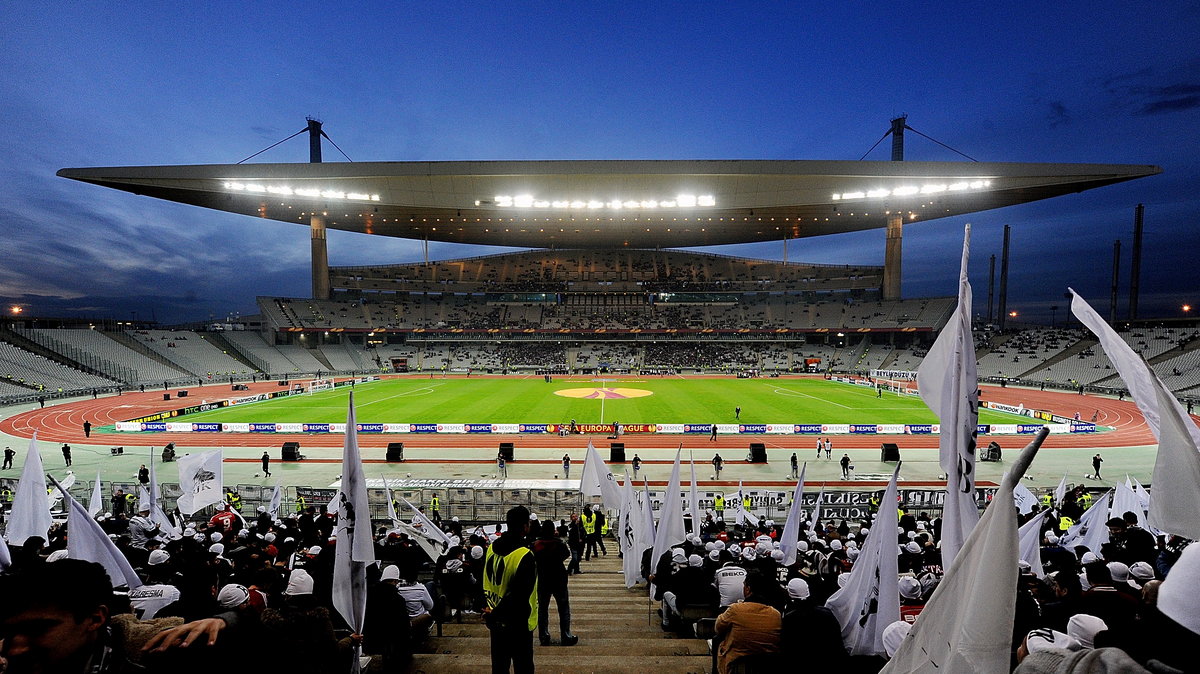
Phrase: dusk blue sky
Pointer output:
(106, 84)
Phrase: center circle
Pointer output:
(606, 393)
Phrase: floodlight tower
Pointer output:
(320, 250)
(895, 222)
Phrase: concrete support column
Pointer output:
(891, 258)
(320, 259)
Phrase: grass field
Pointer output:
(649, 400)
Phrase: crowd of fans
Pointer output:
(1081, 608)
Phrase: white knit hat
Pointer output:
(1084, 628)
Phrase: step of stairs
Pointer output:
(618, 633)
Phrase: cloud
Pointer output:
(1171, 105)
(1058, 115)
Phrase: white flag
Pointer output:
(200, 480)
(157, 514)
(391, 502)
(694, 499)
(56, 492)
(5, 558)
(421, 539)
(648, 531)
(1060, 492)
(948, 382)
(816, 513)
(276, 498)
(1024, 499)
(1029, 541)
(355, 547)
(598, 480)
(30, 515)
(630, 535)
(87, 541)
(870, 599)
(1175, 501)
(740, 514)
(791, 528)
(967, 624)
(1125, 501)
(1090, 531)
(1143, 384)
(97, 502)
(431, 530)
(670, 520)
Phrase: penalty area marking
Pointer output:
(424, 391)
(797, 394)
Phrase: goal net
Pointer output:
(317, 385)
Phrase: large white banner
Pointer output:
(200, 480)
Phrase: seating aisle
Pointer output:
(615, 634)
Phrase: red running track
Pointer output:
(64, 423)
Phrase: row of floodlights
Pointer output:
(910, 190)
(283, 190)
(528, 201)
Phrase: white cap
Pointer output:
(835, 544)
(1084, 628)
(777, 555)
(61, 554)
(910, 588)
(749, 554)
(199, 538)
(797, 588)
(299, 583)
(189, 532)
(158, 557)
(476, 552)
(270, 537)
(216, 537)
(454, 519)
(390, 572)
(678, 557)
(217, 549)
(802, 546)
(911, 547)
(893, 636)
(1140, 573)
(261, 509)
(695, 560)
(1119, 572)
(714, 555)
(314, 550)
(1089, 557)
(233, 596)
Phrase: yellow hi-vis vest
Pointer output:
(497, 575)
(1065, 523)
(604, 528)
(719, 503)
(589, 523)
(1086, 500)
(435, 504)
(1047, 500)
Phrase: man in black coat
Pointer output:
(550, 552)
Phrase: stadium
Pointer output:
(473, 377)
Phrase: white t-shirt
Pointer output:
(148, 600)
(730, 583)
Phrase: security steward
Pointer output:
(589, 533)
(300, 504)
(435, 507)
(510, 590)
(234, 500)
(719, 506)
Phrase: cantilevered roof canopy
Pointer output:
(604, 204)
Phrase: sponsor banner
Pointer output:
(1004, 429)
(205, 428)
(128, 426)
(1083, 428)
(891, 429)
(1011, 409)
(785, 429)
(263, 428)
(413, 428)
(604, 428)
(808, 429)
(982, 429)
(1059, 428)
(697, 428)
(369, 428)
(1029, 428)
(533, 428)
(387, 428)
(507, 428)
(176, 427)
(669, 428)
(241, 427)
(339, 428)
(452, 428)
(727, 428)
(315, 497)
(752, 428)
(290, 428)
(154, 426)
(835, 428)
(919, 429)
(315, 428)
(864, 428)
(159, 416)
(478, 428)
(250, 399)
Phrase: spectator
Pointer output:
(748, 627)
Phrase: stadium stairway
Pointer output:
(616, 634)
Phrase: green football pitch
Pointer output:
(629, 400)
